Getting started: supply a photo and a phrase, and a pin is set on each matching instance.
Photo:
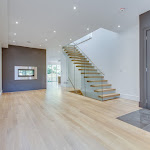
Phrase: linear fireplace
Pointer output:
(25, 72)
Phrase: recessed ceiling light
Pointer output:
(13, 41)
(119, 26)
(45, 39)
(74, 7)
(54, 31)
(88, 29)
(17, 22)
(40, 45)
(29, 42)
(70, 39)
(122, 9)
(15, 34)
(60, 45)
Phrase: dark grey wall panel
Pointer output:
(144, 25)
(23, 56)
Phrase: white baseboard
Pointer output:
(130, 97)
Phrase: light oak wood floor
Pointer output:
(55, 119)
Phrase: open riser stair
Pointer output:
(84, 74)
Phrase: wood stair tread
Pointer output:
(80, 60)
(77, 57)
(86, 66)
(93, 76)
(75, 53)
(109, 95)
(104, 90)
(87, 69)
(90, 73)
(100, 85)
(97, 81)
(72, 52)
(83, 63)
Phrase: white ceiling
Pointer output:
(39, 18)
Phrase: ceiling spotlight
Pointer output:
(17, 22)
(60, 45)
(88, 29)
(13, 41)
(70, 39)
(74, 7)
(119, 26)
(45, 39)
(122, 9)
(15, 34)
(29, 42)
(54, 31)
(40, 45)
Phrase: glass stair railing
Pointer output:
(84, 76)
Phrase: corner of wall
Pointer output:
(0, 69)
(129, 97)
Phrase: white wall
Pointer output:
(0, 69)
(117, 55)
(64, 70)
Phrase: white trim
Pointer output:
(0, 92)
(130, 97)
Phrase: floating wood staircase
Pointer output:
(99, 87)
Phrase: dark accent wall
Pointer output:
(144, 25)
(23, 56)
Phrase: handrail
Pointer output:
(88, 58)
(71, 83)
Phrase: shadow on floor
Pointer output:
(139, 118)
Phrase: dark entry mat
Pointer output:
(139, 118)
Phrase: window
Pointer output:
(25, 72)
(53, 71)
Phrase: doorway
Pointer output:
(145, 60)
(53, 73)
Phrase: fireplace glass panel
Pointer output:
(25, 72)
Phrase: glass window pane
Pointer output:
(21, 72)
(53, 71)
(25, 72)
(58, 66)
(29, 72)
